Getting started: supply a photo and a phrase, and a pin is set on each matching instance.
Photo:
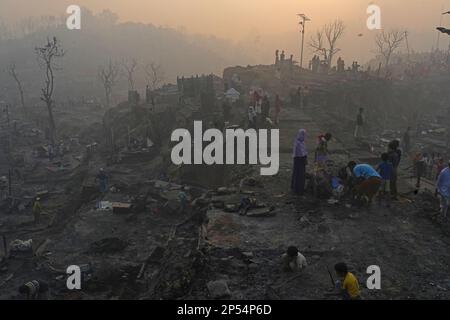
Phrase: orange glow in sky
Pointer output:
(270, 21)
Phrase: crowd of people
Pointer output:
(361, 181)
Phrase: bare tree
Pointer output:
(13, 73)
(108, 76)
(387, 43)
(46, 57)
(333, 32)
(316, 43)
(154, 75)
(325, 40)
(129, 69)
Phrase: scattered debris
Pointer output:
(21, 246)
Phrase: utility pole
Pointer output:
(448, 53)
(439, 34)
(302, 23)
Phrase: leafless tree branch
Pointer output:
(108, 76)
(46, 56)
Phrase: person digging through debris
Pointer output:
(37, 211)
(246, 204)
(368, 181)
(300, 156)
(35, 290)
(347, 284)
(443, 187)
(293, 260)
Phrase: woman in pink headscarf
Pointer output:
(300, 156)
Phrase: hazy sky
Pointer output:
(250, 19)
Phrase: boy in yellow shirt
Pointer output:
(348, 284)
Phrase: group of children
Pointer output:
(386, 173)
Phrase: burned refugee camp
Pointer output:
(224, 151)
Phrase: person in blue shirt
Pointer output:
(368, 181)
(386, 170)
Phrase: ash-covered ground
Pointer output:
(134, 241)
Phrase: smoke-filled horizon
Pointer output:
(264, 25)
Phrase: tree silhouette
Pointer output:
(46, 57)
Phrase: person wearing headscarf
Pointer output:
(300, 155)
